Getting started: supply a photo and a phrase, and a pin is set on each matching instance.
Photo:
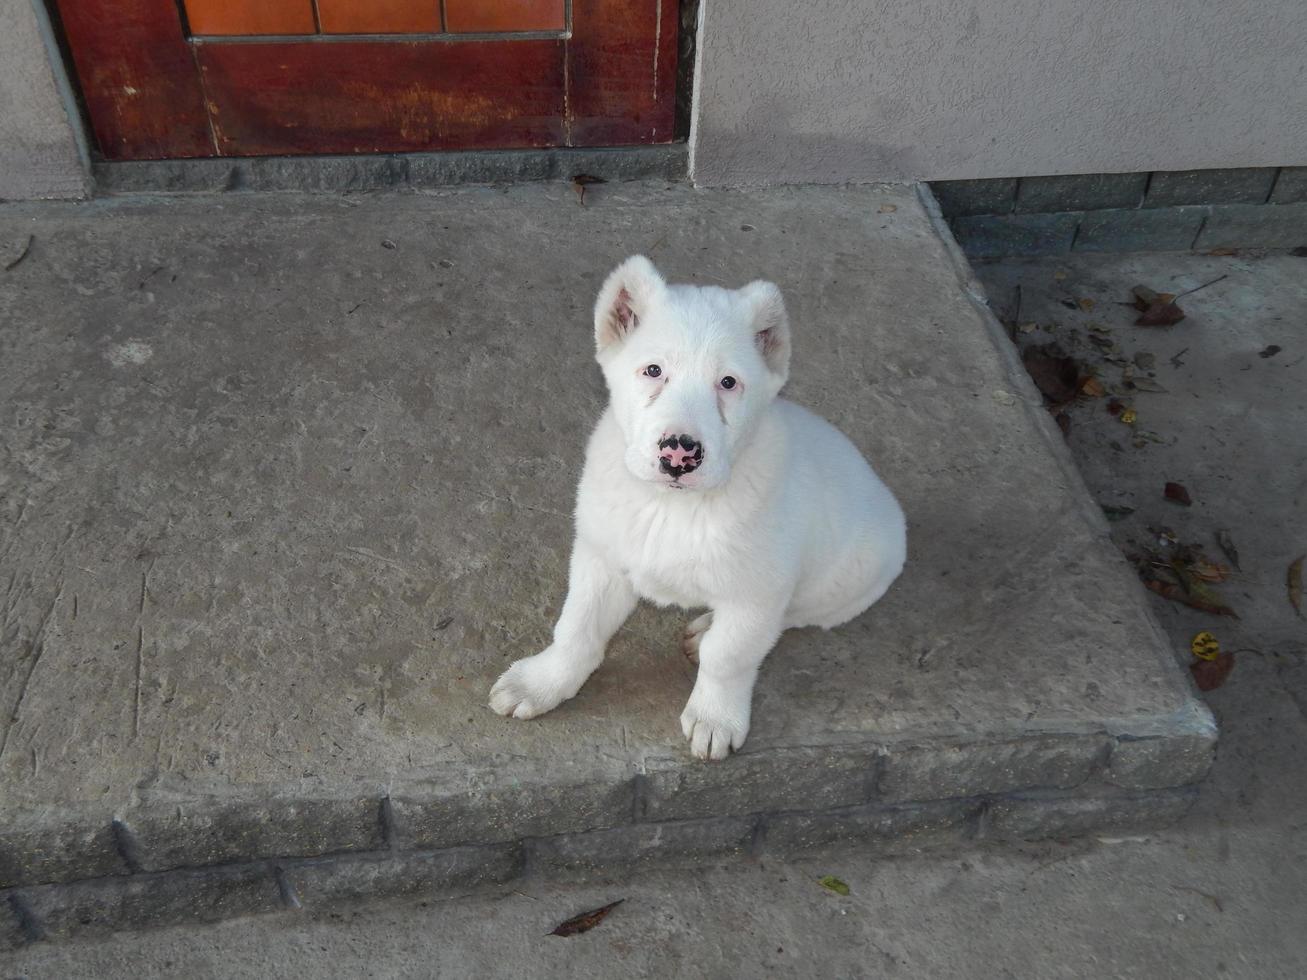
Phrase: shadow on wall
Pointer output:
(773, 149)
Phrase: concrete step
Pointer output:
(286, 483)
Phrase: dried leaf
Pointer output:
(1085, 303)
(1092, 387)
(1116, 513)
(1204, 646)
(1224, 251)
(1270, 351)
(1129, 416)
(581, 181)
(387, 243)
(888, 208)
(585, 921)
(1227, 545)
(1211, 674)
(1202, 602)
(1208, 571)
(1294, 583)
(1177, 493)
(1146, 384)
(1028, 327)
(834, 884)
(1160, 314)
(1115, 406)
(1059, 274)
(1145, 361)
(1054, 374)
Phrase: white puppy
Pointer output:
(703, 489)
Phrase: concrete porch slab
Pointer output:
(285, 483)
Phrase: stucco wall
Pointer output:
(859, 90)
(38, 150)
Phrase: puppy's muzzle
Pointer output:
(679, 454)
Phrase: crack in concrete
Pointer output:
(37, 651)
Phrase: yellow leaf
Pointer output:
(1204, 646)
(1129, 416)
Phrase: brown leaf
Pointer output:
(581, 181)
(1163, 313)
(1063, 421)
(1115, 406)
(1211, 674)
(1226, 250)
(1085, 303)
(1176, 492)
(1294, 583)
(1202, 602)
(1208, 571)
(1054, 374)
(1092, 387)
(586, 921)
(1227, 546)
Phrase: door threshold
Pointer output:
(388, 171)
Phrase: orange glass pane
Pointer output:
(226, 17)
(497, 16)
(379, 16)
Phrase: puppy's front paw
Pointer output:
(716, 718)
(532, 686)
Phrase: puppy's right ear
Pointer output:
(624, 300)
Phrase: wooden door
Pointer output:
(203, 78)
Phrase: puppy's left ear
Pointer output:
(770, 324)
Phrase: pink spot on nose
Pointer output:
(677, 456)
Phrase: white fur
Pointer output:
(782, 525)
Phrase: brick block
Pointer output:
(1080, 192)
(1255, 226)
(932, 771)
(643, 844)
(885, 829)
(1140, 230)
(991, 236)
(1036, 818)
(1246, 185)
(964, 197)
(763, 781)
(1290, 186)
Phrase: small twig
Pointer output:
(1203, 286)
(21, 255)
(1175, 358)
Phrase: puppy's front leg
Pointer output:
(599, 598)
(716, 718)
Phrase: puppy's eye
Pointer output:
(653, 371)
(728, 382)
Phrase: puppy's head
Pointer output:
(689, 370)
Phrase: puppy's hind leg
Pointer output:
(599, 598)
(693, 635)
